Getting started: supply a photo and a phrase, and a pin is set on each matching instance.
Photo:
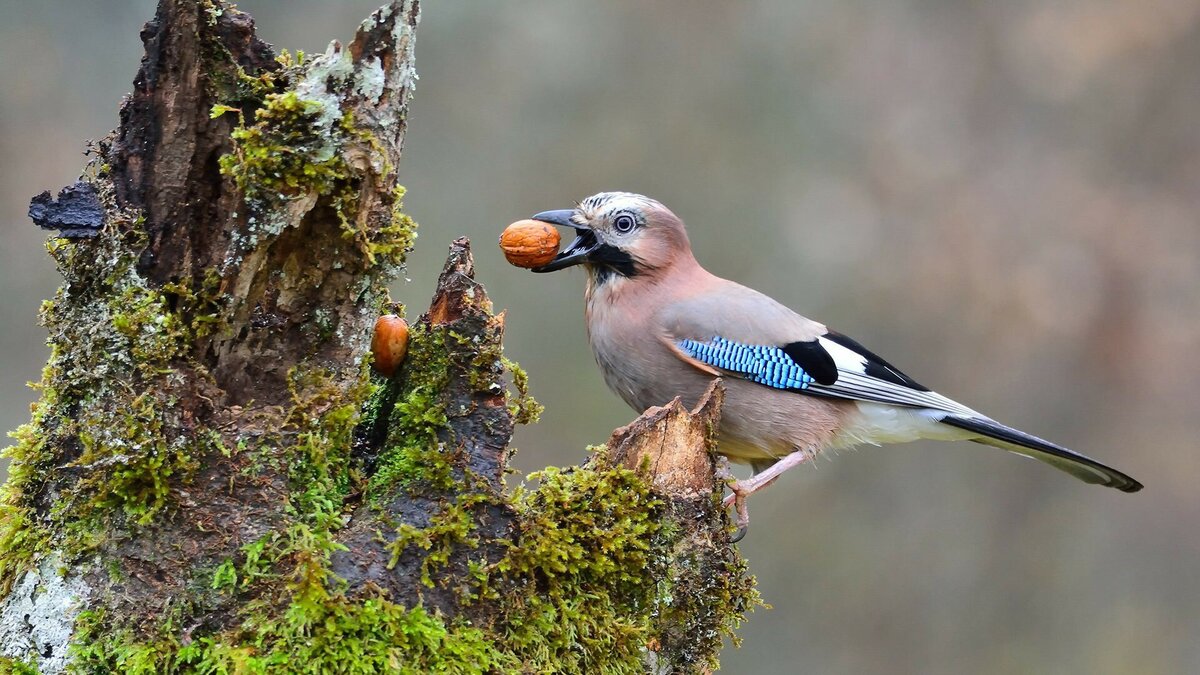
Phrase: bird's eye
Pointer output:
(624, 223)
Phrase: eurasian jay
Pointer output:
(661, 326)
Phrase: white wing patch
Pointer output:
(854, 383)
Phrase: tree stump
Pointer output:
(214, 480)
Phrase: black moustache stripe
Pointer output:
(610, 260)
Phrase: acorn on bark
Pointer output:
(389, 344)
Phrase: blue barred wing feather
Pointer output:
(766, 365)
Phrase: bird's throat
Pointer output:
(606, 262)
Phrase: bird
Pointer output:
(661, 326)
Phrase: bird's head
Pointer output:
(619, 233)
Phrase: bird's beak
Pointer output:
(578, 251)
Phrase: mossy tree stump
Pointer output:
(215, 481)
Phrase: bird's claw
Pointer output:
(742, 519)
(736, 498)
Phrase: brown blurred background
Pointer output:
(1001, 198)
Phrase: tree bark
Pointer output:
(215, 481)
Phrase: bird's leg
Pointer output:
(741, 489)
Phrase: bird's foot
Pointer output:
(742, 519)
(741, 489)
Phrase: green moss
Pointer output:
(154, 334)
(286, 152)
(201, 309)
(97, 647)
(289, 59)
(11, 666)
(106, 408)
(372, 635)
(447, 531)
(20, 538)
(521, 404)
(586, 571)
(292, 142)
(137, 453)
(300, 621)
(391, 243)
(257, 564)
(413, 451)
(225, 576)
(106, 323)
(321, 424)
(19, 541)
(328, 635)
(704, 598)
(294, 149)
(578, 592)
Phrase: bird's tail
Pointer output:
(1084, 468)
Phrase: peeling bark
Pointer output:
(667, 438)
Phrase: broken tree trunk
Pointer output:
(215, 481)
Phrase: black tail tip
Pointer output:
(1131, 486)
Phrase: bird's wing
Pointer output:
(831, 365)
(738, 332)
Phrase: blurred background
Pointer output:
(1001, 198)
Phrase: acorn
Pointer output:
(389, 344)
(529, 243)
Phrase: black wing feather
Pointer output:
(876, 367)
(815, 361)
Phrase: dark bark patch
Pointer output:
(77, 213)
